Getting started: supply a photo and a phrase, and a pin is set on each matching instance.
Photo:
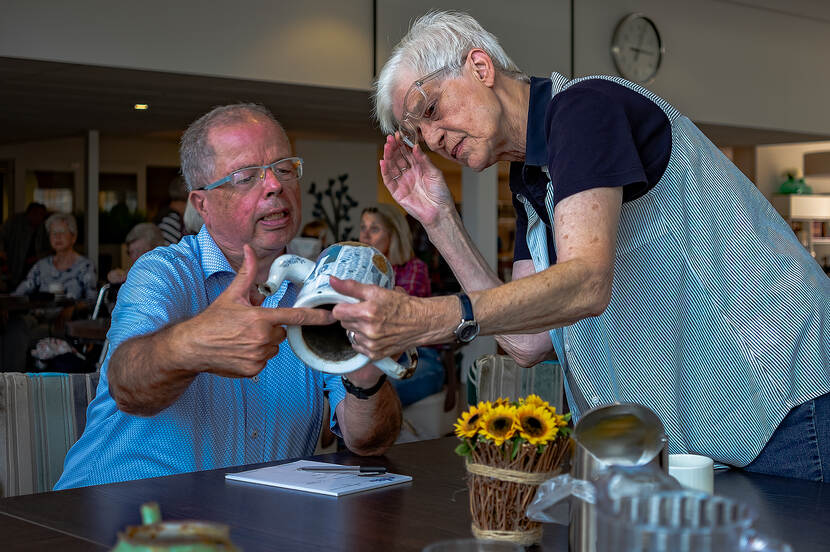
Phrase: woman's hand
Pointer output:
(414, 182)
(387, 321)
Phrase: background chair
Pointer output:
(494, 376)
(41, 417)
(433, 416)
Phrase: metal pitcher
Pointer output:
(623, 434)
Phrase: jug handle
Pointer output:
(291, 267)
(396, 370)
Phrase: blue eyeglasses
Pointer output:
(287, 171)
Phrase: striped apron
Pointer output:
(719, 318)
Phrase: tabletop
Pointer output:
(434, 506)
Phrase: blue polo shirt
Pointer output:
(596, 133)
(217, 422)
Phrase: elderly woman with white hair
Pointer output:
(66, 272)
(656, 271)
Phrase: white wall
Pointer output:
(329, 159)
(535, 33)
(726, 62)
(317, 42)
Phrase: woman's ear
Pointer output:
(482, 66)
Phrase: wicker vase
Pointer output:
(501, 489)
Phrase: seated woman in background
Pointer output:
(384, 227)
(144, 237)
(66, 272)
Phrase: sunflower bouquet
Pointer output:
(511, 447)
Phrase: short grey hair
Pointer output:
(435, 40)
(148, 232)
(197, 155)
(65, 218)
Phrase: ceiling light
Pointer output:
(141, 107)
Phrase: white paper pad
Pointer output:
(288, 476)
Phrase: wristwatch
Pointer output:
(360, 392)
(467, 330)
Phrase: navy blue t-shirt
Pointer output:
(594, 134)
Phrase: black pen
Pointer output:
(375, 470)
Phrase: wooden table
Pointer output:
(401, 518)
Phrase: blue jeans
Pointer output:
(800, 446)
(427, 380)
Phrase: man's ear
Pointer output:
(482, 66)
(197, 199)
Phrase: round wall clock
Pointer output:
(637, 48)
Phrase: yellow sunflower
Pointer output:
(499, 424)
(484, 406)
(536, 424)
(468, 424)
(501, 401)
(536, 400)
(560, 420)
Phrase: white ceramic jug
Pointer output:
(327, 348)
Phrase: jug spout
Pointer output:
(291, 267)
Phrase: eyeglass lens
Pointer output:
(286, 171)
(415, 104)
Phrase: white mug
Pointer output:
(693, 471)
(327, 348)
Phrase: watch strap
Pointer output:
(360, 392)
(467, 329)
(466, 306)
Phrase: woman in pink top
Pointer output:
(384, 227)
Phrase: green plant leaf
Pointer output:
(463, 449)
(517, 444)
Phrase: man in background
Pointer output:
(171, 223)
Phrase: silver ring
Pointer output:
(350, 335)
(403, 169)
(397, 176)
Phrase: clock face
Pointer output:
(636, 48)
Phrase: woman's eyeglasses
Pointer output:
(417, 104)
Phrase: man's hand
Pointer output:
(414, 182)
(233, 338)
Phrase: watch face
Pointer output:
(636, 48)
(467, 331)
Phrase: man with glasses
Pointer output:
(195, 378)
